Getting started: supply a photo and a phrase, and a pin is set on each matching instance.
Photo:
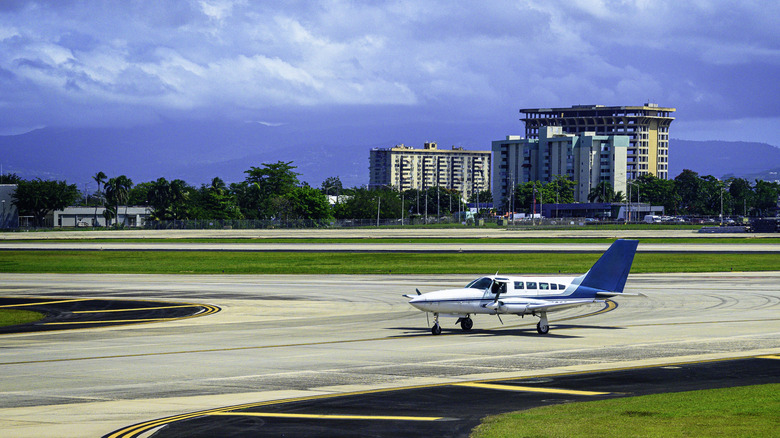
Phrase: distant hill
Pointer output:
(722, 158)
(199, 151)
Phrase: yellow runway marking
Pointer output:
(328, 417)
(529, 389)
(110, 321)
(46, 302)
(139, 308)
(775, 356)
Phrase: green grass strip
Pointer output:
(212, 262)
(728, 412)
(15, 317)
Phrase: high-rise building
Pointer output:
(407, 168)
(647, 128)
(587, 159)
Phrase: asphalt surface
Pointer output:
(449, 410)
(283, 341)
(77, 313)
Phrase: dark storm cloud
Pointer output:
(715, 61)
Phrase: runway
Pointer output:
(282, 337)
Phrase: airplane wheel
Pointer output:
(542, 329)
(466, 324)
(436, 329)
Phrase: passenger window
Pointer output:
(553, 286)
(544, 286)
(561, 287)
(519, 285)
(530, 285)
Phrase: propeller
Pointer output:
(496, 304)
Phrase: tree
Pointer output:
(742, 194)
(656, 191)
(117, 190)
(332, 186)
(10, 178)
(484, 197)
(214, 202)
(99, 178)
(712, 193)
(363, 204)
(603, 192)
(38, 197)
(308, 203)
(264, 189)
(766, 197)
(560, 190)
(168, 200)
(688, 187)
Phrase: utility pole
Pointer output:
(378, 204)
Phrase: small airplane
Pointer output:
(494, 295)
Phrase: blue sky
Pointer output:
(97, 64)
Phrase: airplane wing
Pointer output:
(521, 307)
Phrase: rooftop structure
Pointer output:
(647, 128)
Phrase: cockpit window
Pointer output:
(519, 285)
(480, 283)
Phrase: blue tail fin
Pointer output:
(610, 271)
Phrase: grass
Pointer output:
(211, 262)
(741, 411)
(15, 317)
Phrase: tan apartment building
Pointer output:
(647, 128)
(408, 168)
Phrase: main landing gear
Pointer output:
(542, 326)
(466, 323)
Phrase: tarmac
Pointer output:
(280, 338)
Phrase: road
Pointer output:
(283, 337)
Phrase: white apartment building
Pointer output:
(585, 158)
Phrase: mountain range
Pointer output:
(197, 152)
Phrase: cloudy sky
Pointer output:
(132, 63)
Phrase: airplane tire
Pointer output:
(466, 324)
(436, 329)
(542, 330)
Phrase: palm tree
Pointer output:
(99, 178)
(118, 189)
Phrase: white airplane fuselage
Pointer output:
(470, 300)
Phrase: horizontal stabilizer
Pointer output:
(605, 294)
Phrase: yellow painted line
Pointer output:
(46, 302)
(775, 356)
(139, 308)
(328, 417)
(110, 321)
(529, 389)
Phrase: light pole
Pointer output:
(721, 203)
(2, 226)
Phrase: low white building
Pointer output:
(93, 217)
